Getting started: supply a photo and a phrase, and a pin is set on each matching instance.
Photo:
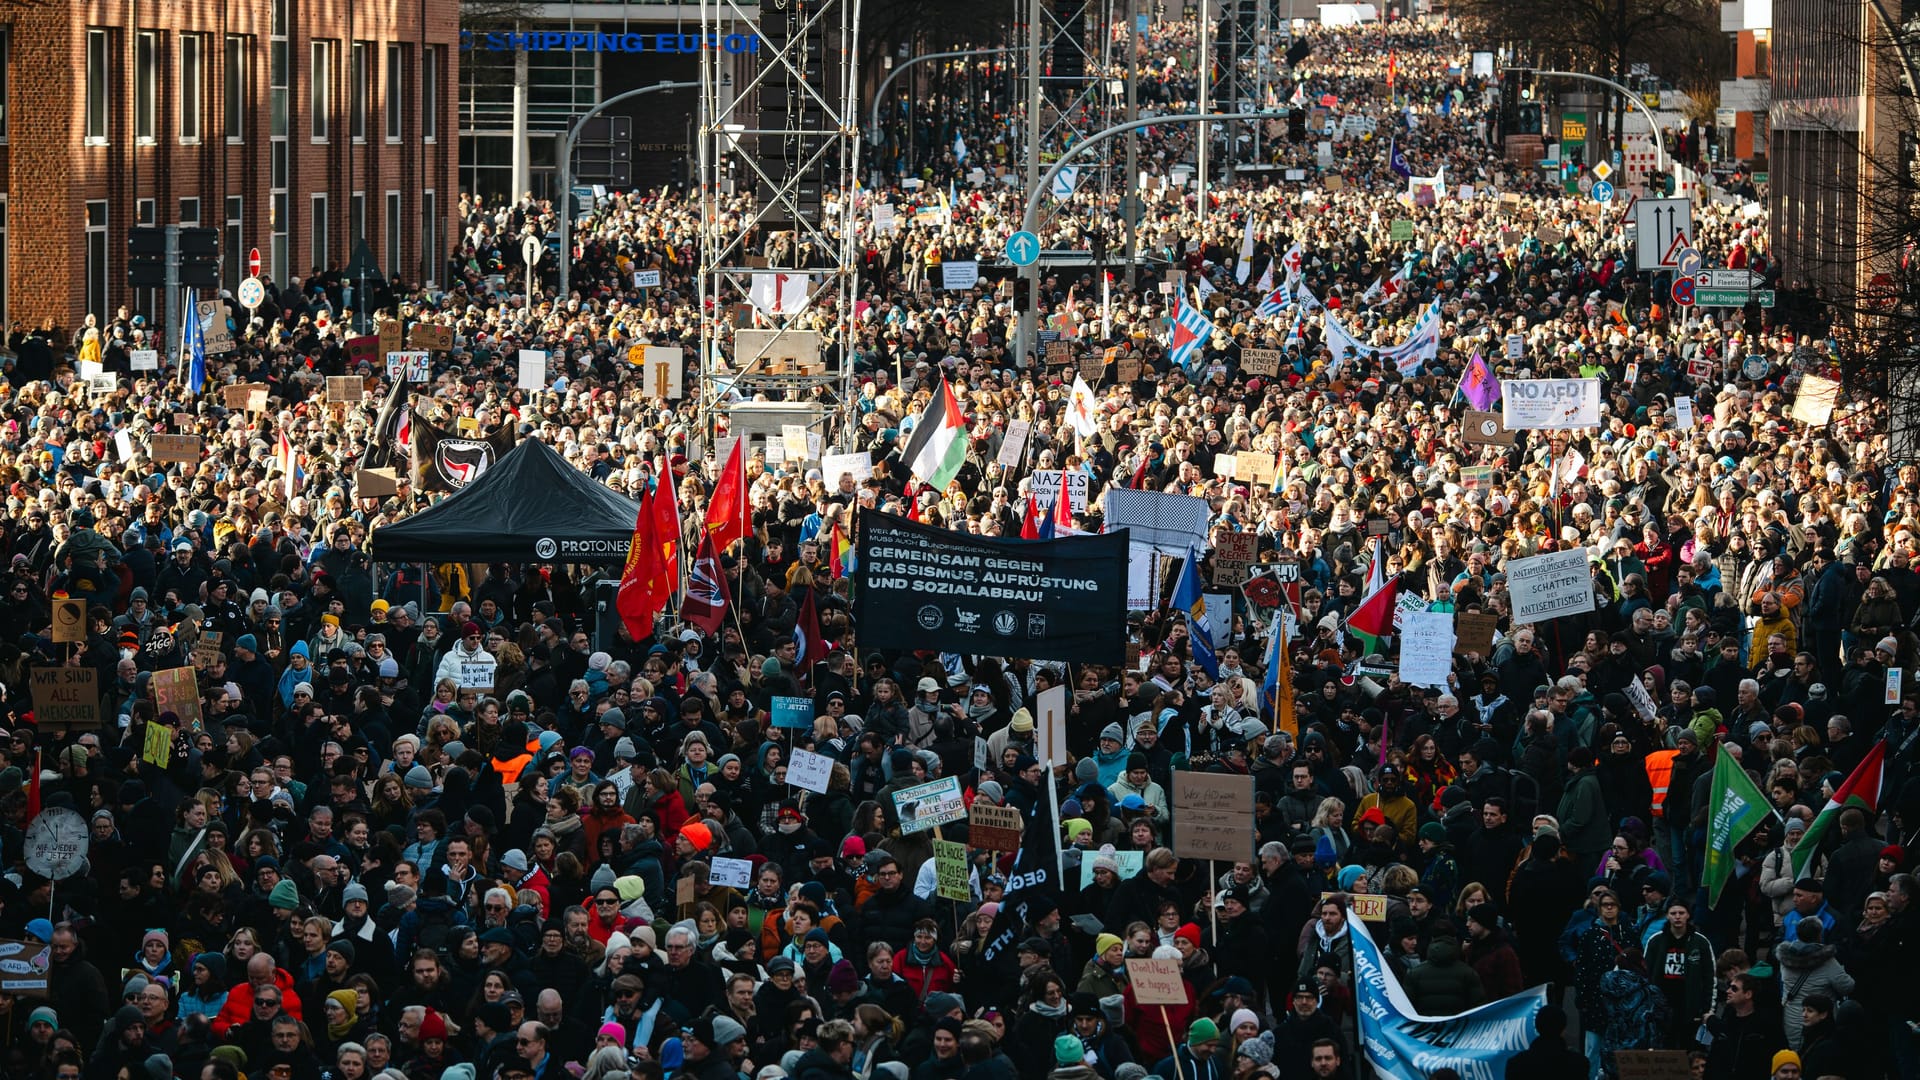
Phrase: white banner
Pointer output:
(1549, 404)
(1550, 585)
(1046, 488)
(959, 274)
(1426, 648)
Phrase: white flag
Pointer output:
(1083, 409)
(774, 293)
(1244, 269)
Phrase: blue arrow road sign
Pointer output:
(1023, 248)
(1602, 191)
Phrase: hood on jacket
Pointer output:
(1443, 951)
(1803, 954)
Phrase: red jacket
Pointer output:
(933, 978)
(1150, 1024)
(239, 1006)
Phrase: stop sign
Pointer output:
(253, 263)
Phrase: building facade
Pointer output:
(296, 129)
(1744, 98)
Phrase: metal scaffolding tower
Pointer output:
(778, 156)
(1249, 33)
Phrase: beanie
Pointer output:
(1067, 1050)
(1784, 1057)
(1434, 833)
(1203, 1031)
(698, 835)
(284, 895)
(419, 778)
(1104, 942)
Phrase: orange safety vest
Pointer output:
(511, 768)
(1660, 772)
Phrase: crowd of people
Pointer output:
(353, 866)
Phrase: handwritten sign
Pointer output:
(953, 877)
(431, 338)
(1233, 553)
(1260, 361)
(24, 966)
(1046, 488)
(994, 828)
(344, 389)
(144, 359)
(1059, 352)
(1014, 445)
(69, 621)
(1426, 648)
(1550, 585)
(157, 748)
(177, 690)
(809, 771)
(172, 448)
(1642, 701)
(66, 697)
(1473, 632)
(923, 806)
(411, 366)
(1366, 907)
(1156, 982)
(476, 674)
(1212, 815)
(1125, 863)
(205, 650)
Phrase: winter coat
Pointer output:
(1497, 963)
(1808, 968)
(1444, 985)
(1584, 829)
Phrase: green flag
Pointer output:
(1736, 809)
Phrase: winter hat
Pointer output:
(940, 1003)
(842, 980)
(1433, 832)
(1887, 645)
(1349, 875)
(159, 1067)
(1112, 731)
(399, 896)
(514, 860)
(698, 835)
(1131, 1070)
(44, 1014)
(1166, 952)
(726, 1029)
(614, 1031)
(1242, 1016)
(1086, 769)
(135, 985)
(433, 1026)
(1202, 1032)
(1068, 1050)
(284, 895)
(1077, 827)
(1189, 931)
(161, 936)
(353, 891)
(419, 778)
(1258, 1049)
(603, 878)
(1786, 1057)
(1104, 942)
(343, 946)
(991, 791)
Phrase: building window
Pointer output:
(98, 64)
(396, 88)
(97, 257)
(145, 211)
(146, 86)
(429, 238)
(430, 93)
(357, 106)
(234, 94)
(320, 81)
(320, 254)
(233, 253)
(356, 220)
(278, 222)
(279, 14)
(393, 238)
(191, 48)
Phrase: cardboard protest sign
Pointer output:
(66, 697)
(1212, 815)
(994, 828)
(177, 690)
(1156, 982)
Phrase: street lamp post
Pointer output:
(1659, 148)
(873, 119)
(566, 173)
(1030, 274)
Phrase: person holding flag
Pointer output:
(1191, 604)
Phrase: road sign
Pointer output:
(1585, 184)
(1707, 297)
(1683, 291)
(530, 250)
(252, 293)
(253, 262)
(1662, 227)
(1602, 191)
(1726, 279)
(1602, 170)
(1690, 265)
(1023, 248)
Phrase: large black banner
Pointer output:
(445, 461)
(923, 587)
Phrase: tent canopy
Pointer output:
(531, 506)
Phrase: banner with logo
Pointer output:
(1404, 1045)
(446, 461)
(922, 587)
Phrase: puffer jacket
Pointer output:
(1445, 984)
(1809, 968)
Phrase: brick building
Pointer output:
(293, 128)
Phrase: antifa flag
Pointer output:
(708, 595)
(444, 461)
(925, 587)
(382, 448)
(1033, 886)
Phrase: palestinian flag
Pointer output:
(939, 442)
(1861, 790)
(1373, 619)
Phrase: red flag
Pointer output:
(1063, 509)
(1030, 520)
(665, 514)
(806, 634)
(33, 788)
(708, 594)
(634, 599)
(836, 552)
(727, 513)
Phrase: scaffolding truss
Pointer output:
(777, 158)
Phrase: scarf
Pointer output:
(349, 1001)
(1052, 1012)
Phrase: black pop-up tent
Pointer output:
(531, 506)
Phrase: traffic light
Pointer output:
(200, 258)
(147, 258)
